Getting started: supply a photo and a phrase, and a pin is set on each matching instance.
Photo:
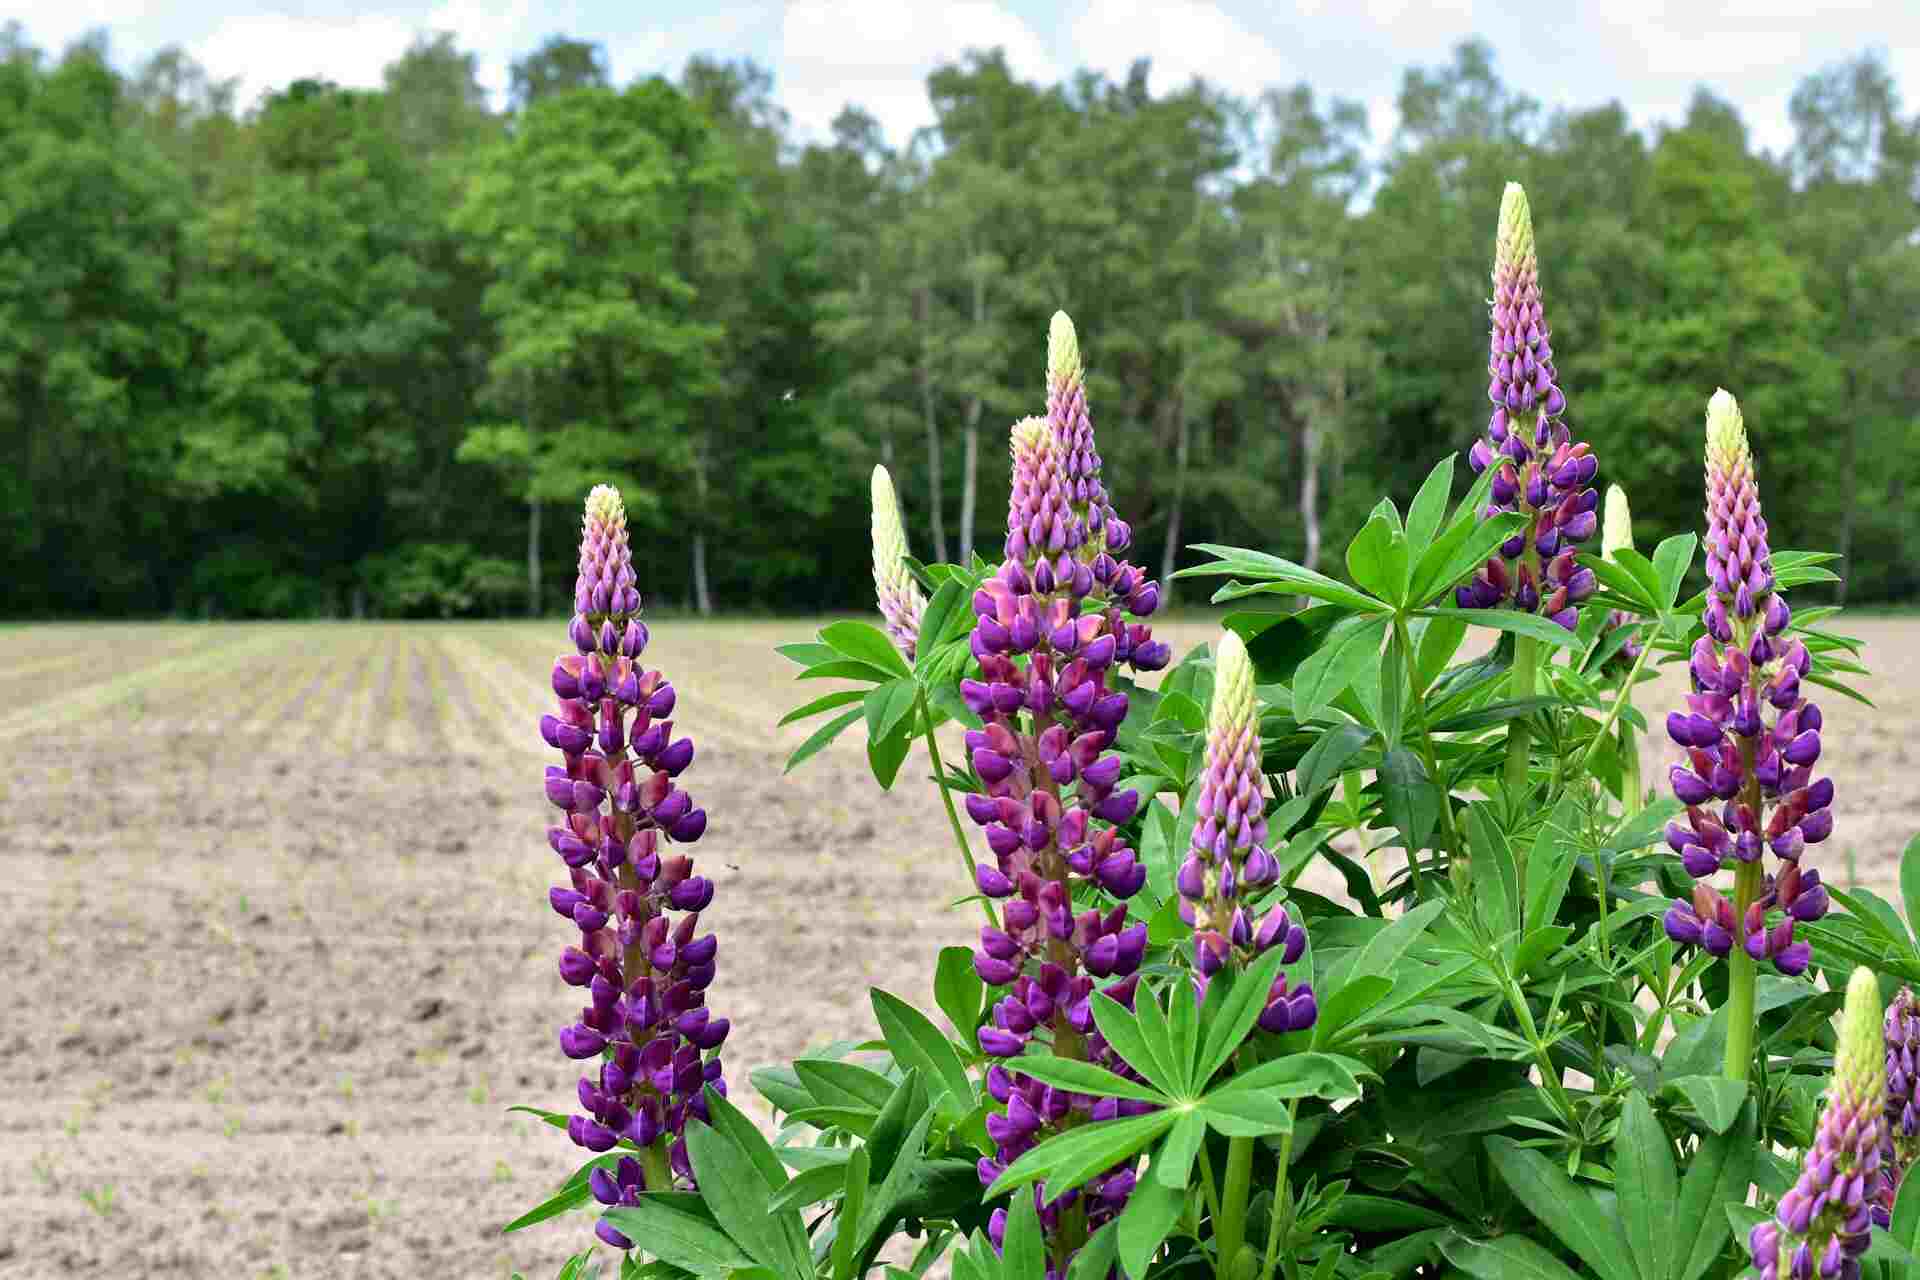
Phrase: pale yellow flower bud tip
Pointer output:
(1616, 530)
(1515, 242)
(1232, 685)
(1861, 1030)
(883, 495)
(1726, 429)
(1030, 436)
(1063, 350)
(604, 505)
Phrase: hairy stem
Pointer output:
(1526, 668)
(1282, 1195)
(1230, 1231)
(946, 798)
(1620, 702)
(1449, 838)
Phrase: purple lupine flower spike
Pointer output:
(1750, 738)
(1538, 470)
(1228, 859)
(641, 960)
(1050, 634)
(1822, 1224)
(1902, 1035)
(901, 603)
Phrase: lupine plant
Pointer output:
(1536, 1042)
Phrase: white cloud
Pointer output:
(268, 51)
(1184, 38)
(878, 53)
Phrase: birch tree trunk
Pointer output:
(1182, 443)
(969, 479)
(922, 309)
(533, 512)
(702, 597)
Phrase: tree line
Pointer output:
(353, 352)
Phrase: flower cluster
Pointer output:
(1751, 738)
(1821, 1225)
(1902, 1034)
(1050, 631)
(645, 971)
(901, 603)
(1537, 468)
(1228, 860)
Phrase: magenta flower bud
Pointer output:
(581, 1042)
(1689, 786)
(1000, 1044)
(674, 759)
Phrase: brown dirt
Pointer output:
(278, 954)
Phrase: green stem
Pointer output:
(655, 1166)
(1526, 668)
(946, 798)
(1206, 1186)
(1230, 1231)
(1740, 979)
(1450, 839)
(1282, 1195)
(1620, 703)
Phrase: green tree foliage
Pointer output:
(339, 351)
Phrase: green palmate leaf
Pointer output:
(1173, 1163)
(807, 654)
(821, 737)
(1671, 560)
(1377, 559)
(1905, 1227)
(864, 642)
(1464, 547)
(1301, 1075)
(1550, 862)
(843, 1084)
(948, 606)
(1910, 881)
(1429, 507)
(1349, 1004)
(1246, 1113)
(738, 1197)
(957, 989)
(1379, 1214)
(846, 1236)
(1069, 1159)
(1327, 758)
(1646, 1187)
(847, 669)
(916, 1042)
(1278, 575)
(1352, 645)
(1716, 1099)
(838, 698)
(569, 1197)
(886, 756)
(1566, 1209)
(810, 1186)
(1440, 639)
(1143, 1047)
(1522, 624)
(1642, 571)
(1717, 1174)
(1505, 1258)
(1023, 1256)
(1412, 799)
(1495, 713)
(782, 1087)
(1085, 1077)
(889, 704)
(1150, 1214)
(1228, 1024)
(684, 1241)
(1496, 873)
(575, 1267)
(1096, 1258)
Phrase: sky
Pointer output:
(1648, 54)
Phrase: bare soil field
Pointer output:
(277, 955)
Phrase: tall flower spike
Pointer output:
(1903, 1110)
(1538, 470)
(1751, 739)
(1228, 861)
(1821, 1226)
(1100, 535)
(1050, 635)
(640, 959)
(901, 603)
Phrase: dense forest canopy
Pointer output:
(351, 351)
